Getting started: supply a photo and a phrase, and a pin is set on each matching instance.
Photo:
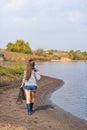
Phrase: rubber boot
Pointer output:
(29, 109)
(32, 106)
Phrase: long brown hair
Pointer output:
(30, 67)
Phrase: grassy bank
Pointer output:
(11, 72)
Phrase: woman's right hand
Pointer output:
(22, 85)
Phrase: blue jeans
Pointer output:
(32, 87)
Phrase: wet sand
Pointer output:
(46, 116)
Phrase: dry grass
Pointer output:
(18, 57)
(10, 127)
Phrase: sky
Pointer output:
(45, 24)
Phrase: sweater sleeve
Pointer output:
(37, 76)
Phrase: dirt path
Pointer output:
(45, 116)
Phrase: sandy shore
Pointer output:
(45, 116)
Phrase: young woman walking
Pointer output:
(29, 83)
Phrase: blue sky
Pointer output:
(45, 24)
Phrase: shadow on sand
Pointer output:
(44, 107)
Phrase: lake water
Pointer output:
(72, 96)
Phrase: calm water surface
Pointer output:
(72, 96)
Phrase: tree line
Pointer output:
(24, 47)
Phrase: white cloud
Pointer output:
(15, 4)
(74, 17)
(26, 20)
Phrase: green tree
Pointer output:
(50, 52)
(9, 46)
(19, 46)
(73, 55)
(84, 53)
(26, 48)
